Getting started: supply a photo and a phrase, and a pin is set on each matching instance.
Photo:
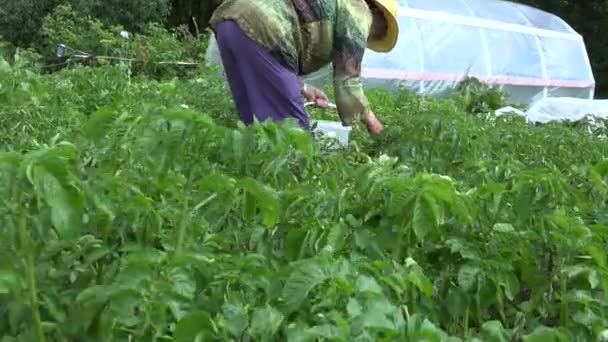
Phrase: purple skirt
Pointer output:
(261, 86)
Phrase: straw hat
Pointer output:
(389, 9)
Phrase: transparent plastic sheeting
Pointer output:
(525, 51)
(565, 108)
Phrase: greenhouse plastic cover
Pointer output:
(523, 50)
(565, 108)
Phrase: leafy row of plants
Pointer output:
(139, 210)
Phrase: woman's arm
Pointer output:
(350, 41)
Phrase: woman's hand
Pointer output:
(315, 95)
(374, 126)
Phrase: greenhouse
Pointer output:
(527, 52)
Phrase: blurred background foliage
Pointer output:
(22, 22)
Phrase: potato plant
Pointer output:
(139, 210)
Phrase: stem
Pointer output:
(183, 220)
(397, 246)
(302, 253)
(466, 323)
(478, 303)
(564, 312)
(412, 291)
(198, 33)
(181, 233)
(31, 276)
(410, 228)
(501, 305)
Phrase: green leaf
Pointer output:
(9, 281)
(467, 276)
(294, 241)
(302, 140)
(66, 207)
(417, 277)
(301, 281)
(426, 215)
(10, 160)
(328, 332)
(503, 228)
(491, 188)
(196, 326)
(217, 182)
(597, 173)
(266, 322)
(335, 238)
(235, 317)
(594, 279)
(494, 331)
(299, 332)
(95, 294)
(266, 198)
(457, 302)
(249, 207)
(421, 329)
(460, 209)
(545, 334)
(353, 221)
(599, 255)
(510, 283)
(368, 284)
(54, 311)
(465, 248)
(353, 308)
(50, 175)
(440, 186)
(4, 65)
(98, 124)
(375, 316)
(96, 254)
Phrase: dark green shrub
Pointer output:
(151, 48)
(22, 20)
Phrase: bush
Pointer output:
(67, 26)
(134, 15)
(152, 45)
(21, 20)
(480, 98)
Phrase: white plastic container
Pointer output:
(333, 129)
